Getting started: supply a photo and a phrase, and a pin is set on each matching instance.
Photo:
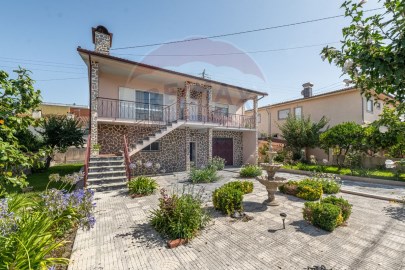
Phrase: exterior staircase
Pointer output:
(153, 137)
(106, 173)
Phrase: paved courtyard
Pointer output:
(123, 239)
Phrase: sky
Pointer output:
(43, 36)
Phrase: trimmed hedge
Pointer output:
(327, 214)
(229, 197)
(306, 189)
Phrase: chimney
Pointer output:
(102, 39)
(307, 92)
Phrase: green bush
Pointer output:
(228, 199)
(206, 175)
(179, 216)
(245, 186)
(323, 215)
(307, 189)
(290, 188)
(344, 205)
(330, 186)
(142, 185)
(217, 163)
(250, 171)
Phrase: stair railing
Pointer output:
(127, 160)
(87, 160)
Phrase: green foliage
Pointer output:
(302, 132)
(228, 199)
(179, 216)
(17, 100)
(250, 171)
(323, 215)
(217, 163)
(244, 186)
(344, 205)
(345, 136)
(206, 175)
(307, 189)
(142, 185)
(28, 141)
(393, 140)
(372, 51)
(60, 132)
(329, 186)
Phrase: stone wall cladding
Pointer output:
(237, 144)
(93, 109)
(102, 43)
(200, 137)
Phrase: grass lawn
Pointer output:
(372, 173)
(39, 180)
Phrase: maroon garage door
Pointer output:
(223, 147)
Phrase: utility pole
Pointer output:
(204, 75)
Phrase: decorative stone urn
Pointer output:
(270, 182)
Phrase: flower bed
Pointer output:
(206, 175)
(250, 171)
(142, 186)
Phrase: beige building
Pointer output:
(338, 106)
(167, 117)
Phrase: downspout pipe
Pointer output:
(90, 105)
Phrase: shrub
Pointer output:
(228, 199)
(344, 205)
(309, 189)
(244, 186)
(290, 188)
(250, 171)
(323, 215)
(207, 175)
(330, 186)
(179, 216)
(217, 163)
(142, 185)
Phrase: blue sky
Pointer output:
(43, 36)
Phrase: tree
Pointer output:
(344, 137)
(302, 132)
(392, 139)
(373, 49)
(59, 133)
(17, 100)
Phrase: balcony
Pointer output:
(193, 114)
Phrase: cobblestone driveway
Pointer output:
(123, 239)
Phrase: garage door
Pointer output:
(223, 147)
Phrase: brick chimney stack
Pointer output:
(102, 39)
(307, 92)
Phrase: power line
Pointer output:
(47, 70)
(235, 53)
(46, 65)
(40, 61)
(239, 33)
(61, 79)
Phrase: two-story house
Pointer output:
(342, 105)
(167, 117)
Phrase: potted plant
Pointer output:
(95, 149)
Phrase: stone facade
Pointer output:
(93, 107)
(102, 42)
(174, 152)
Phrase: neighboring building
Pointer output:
(343, 105)
(81, 112)
(168, 117)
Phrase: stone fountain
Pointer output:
(270, 182)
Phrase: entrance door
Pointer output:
(193, 153)
(223, 147)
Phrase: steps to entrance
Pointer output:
(106, 173)
(164, 130)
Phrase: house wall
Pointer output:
(237, 144)
(338, 108)
(249, 147)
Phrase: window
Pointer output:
(149, 106)
(369, 106)
(283, 114)
(378, 105)
(298, 112)
(259, 118)
(155, 146)
(222, 110)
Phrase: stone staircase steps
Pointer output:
(107, 173)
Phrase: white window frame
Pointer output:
(370, 101)
(283, 110)
(295, 111)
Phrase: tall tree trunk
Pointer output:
(48, 161)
